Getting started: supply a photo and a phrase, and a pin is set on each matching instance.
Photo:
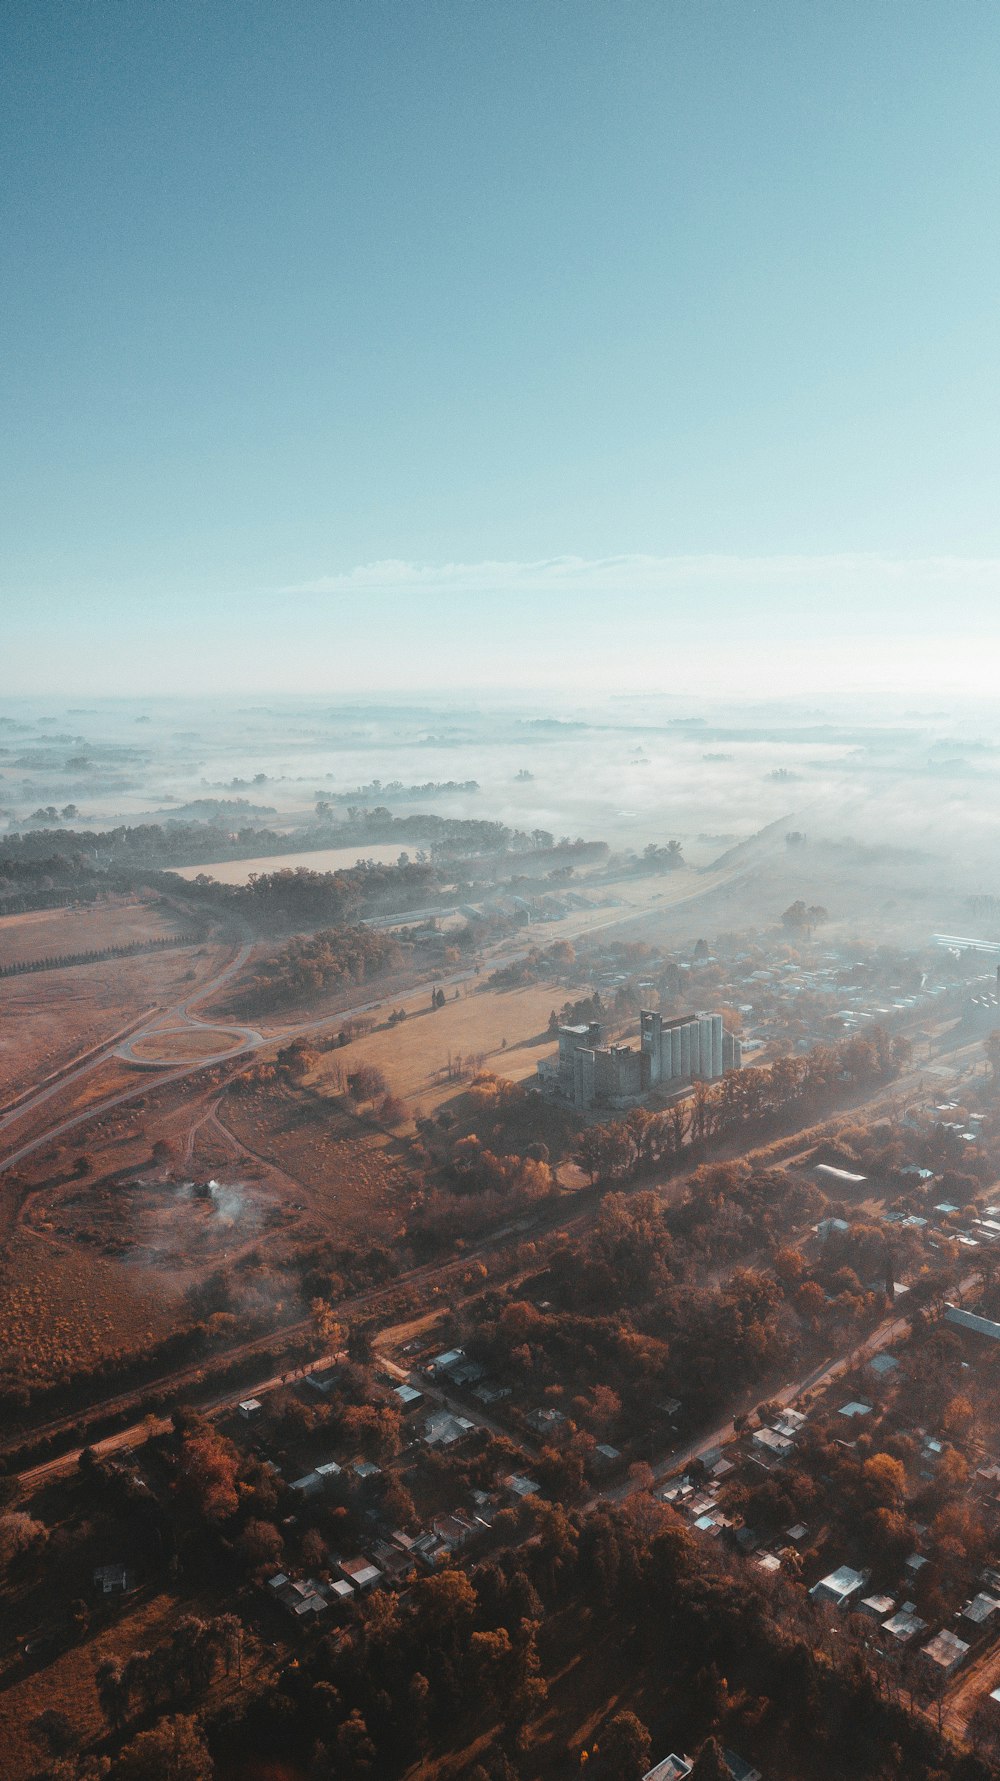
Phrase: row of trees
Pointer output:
(311, 964)
(758, 1102)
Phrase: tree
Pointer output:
(206, 1476)
(175, 1750)
(626, 1747)
(884, 1481)
(112, 1691)
(710, 1764)
(18, 1533)
(260, 1543)
(356, 1753)
(327, 1329)
(367, 1083)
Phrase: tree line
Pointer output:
(95, 955)
(758, 1102)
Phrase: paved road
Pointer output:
(180, 1014)
(892, 1329)
(101, 1056)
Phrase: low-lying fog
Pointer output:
(627, 772)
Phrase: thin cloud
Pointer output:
(852, 573)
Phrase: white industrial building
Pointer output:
(687, 1047)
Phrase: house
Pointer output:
(904, 1625)
(672, 1768)
(768, 1563)
(914, 1563)
(945, 1652)
(452, 1530)
(322, 1382)
(359, 1572)
(839, 1586)
(605, 1456)
(408, 1398)
(877, 1607)
(520, 1486)
(797, 1533)
(442, 1364)
(739, 1768)
(834, 1178)
(304, 1600)
(468, 1372)
(979, 1612)
(789, 1422)
(366, 1468)
(392, 1561)
(112, 1579)
(883, 1363)
(443, 1429)
(547, 1422)
(309, 1485)
(772, 1445)
(428, 1549)
(250, 1408)
(490, 1392)
(486, 1508)
(831, 1227)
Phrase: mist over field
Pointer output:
(627, 770)
(500, 891)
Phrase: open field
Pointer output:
(323, 859)
(65, 1687)
(48, 933)
(188, 1045)
(64, 1307)
(424, 1056)
(48, 1020)
(352, 1177)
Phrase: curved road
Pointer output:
(580, 925)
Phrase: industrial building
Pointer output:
(688, 1048)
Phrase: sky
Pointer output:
(546, 343)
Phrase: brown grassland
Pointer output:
(97, 1262)
(186, 1047)
(351, 1177)
(49, 933)
(415, 1054)
(66, 1684)
(65, 1308)
(48, 1018)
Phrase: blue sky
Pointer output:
(683, 314)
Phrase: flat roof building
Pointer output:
(946, 1652)
(839, 1586)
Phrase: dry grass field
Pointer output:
(423, 1056)
(49, 933)
(187, 1047)
(50, 1017)
(351, 1179)
(66, 1685)
(153, 1222)
(63, 1307)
